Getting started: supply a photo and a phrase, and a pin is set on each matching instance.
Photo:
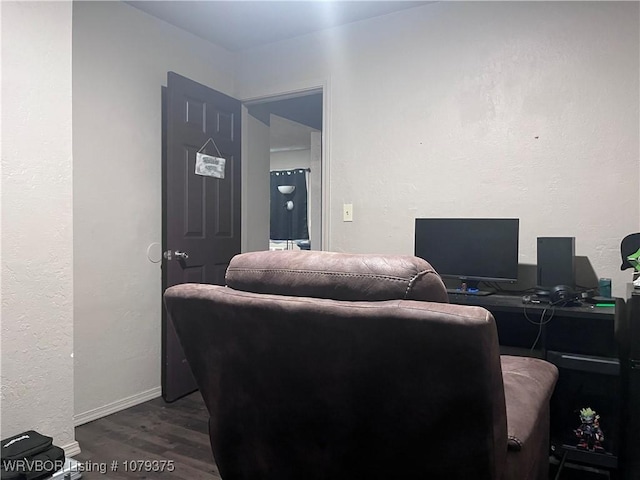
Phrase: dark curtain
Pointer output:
(289, 224)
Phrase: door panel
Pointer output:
(201, 215)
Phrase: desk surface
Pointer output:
(513, 303)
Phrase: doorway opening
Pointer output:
(294, 132)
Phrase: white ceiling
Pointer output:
(241, 24)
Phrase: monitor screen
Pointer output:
(470, 248)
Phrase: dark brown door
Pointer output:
(201, 214)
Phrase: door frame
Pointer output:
(299, 90)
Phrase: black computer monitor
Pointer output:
(470, 249)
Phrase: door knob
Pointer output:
(181, 255)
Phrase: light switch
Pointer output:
(347, 212)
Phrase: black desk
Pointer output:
(587, 330)
(581, 342)
(503, 302)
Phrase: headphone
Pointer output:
(560, 294)
(565, 295)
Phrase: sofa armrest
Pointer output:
(528, 386)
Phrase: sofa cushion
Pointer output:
(338, 276)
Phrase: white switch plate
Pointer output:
(347, 212)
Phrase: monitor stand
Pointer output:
(470, 288)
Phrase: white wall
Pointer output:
(121, 57)
(290, 159)
(255, 183)
(508, 109)
(37, 226)
(315, 191)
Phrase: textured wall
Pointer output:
(255, 184)
(121, 57)
(37, 234)
(507, 109)
(289, 159)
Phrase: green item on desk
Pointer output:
(605, 304)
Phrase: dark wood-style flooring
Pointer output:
(176, 432)
(154, 430)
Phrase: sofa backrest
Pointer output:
(323, 388)
(339, 276)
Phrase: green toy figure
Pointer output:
(630, 252)
(590, 437)
(634, 260)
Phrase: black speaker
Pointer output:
(556, 262)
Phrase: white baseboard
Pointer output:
(116, 406)
(71, 449)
